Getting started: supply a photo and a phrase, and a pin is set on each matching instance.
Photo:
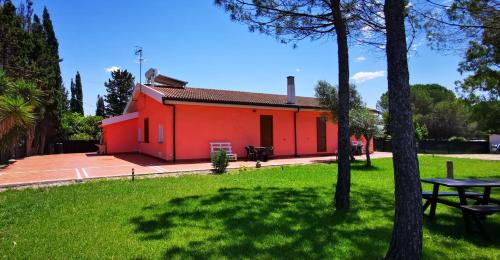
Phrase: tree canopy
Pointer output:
(436, 109)
(328, 97)
(76, 126)
(119, 89)
(471, 28)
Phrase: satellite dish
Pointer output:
(151, 73)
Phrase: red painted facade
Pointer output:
(197, 124)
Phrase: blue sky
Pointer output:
(195, 41)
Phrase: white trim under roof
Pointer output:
(154, 94)
(120, 118)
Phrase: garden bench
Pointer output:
(215, 147)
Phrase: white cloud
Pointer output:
(361, 58)
(363, 76)
(112, 68)
(298, 69)
(367, 31)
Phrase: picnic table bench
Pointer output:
(477, 211)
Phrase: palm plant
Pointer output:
(16, 116)
(20, 103)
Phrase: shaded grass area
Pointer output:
(266, 213)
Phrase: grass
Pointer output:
(266, 213)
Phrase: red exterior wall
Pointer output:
(121, 137)
(198, 125)
(158, 114)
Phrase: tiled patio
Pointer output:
(47, 169)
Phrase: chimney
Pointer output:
(290, 89)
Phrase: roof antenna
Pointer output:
(138, 51)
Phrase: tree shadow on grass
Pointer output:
(361, 166)
(452, 225)
(283, 223)
(266, 223)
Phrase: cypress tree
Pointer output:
(66, 100)
(78, 94)
(14, 42)
(39, 55)
(73, 106)
(55, 79)
(100, 109)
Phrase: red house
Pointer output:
(168, 120)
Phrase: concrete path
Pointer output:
(63, 168)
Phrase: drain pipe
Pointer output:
(295, 131)
(173, 125)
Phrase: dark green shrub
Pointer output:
(220, 161)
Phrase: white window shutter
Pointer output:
(160, 133)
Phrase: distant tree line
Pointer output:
(444, 115)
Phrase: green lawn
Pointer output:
(266, 213)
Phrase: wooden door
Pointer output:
(321, 134)
(266, 130)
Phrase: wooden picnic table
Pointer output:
(481, 199)
(261, 152)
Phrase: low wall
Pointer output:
(80, 146)
(443, 147)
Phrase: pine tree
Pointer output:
(406, 241)
(78, 94)
(100, 109)
(119, 89)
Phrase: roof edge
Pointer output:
(190, 100)
(120, 118)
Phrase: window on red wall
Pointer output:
(146, 130)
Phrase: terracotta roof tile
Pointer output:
(233, 97)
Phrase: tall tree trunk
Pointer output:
(344, 172)
(42, 132)
(30, 137)
(406, 242)
(367, 150)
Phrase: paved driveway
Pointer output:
(46, 169)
